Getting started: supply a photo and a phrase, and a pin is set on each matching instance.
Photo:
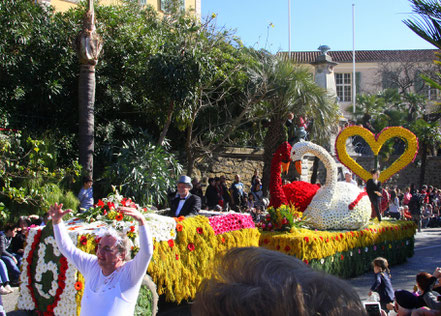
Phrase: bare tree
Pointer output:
(403, 72)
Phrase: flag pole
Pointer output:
(354, 86)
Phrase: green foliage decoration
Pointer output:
(143, 171)
(144, 304)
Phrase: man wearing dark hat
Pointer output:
(185, 203)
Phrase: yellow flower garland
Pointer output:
(88, 247)
(308, 244)
(178, 270)
(376, 142)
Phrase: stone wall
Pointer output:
(244, 161)
(229, 162)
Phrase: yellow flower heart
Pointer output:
(376, 142)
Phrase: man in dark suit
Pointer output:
(185, 203)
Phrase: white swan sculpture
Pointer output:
(336, 205)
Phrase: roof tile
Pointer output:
(413, 55)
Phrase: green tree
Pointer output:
(290, 88)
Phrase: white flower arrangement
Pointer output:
(329, 208)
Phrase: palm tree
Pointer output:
(428, 24)
(290, 88)
(88, 46)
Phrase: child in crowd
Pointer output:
(382, 284)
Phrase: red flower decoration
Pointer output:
(83, 240)
(100, 203)
(78, 286)
(190, 246)
(132, 229)
(179, 227)
(223, 240)
(171, 243)
(110, 205)
(119, 217)
(342, 257)
(306, 261)
(306, 239)
(199, 230)
(177, 257)
(126, 202)
(287, 248)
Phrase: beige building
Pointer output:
(64, 5)
(375, 70)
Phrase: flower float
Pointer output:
(345, 253)
(280, 219)
(297, 193)
(336, 205)
(376, 142)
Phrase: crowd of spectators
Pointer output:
(422, 300)
(12, 240)
(421, 206)
(216, 195)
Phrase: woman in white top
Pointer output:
(111, 282)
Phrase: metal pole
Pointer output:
(354, 87)
(289, 29)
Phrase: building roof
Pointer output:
(366, 56)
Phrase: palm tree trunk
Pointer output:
(167, 123)
(273, 138)
(88, 46)
(86, 117)
(315, 170)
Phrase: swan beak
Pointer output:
(298, 164)
(285, 167)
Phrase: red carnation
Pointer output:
(100, 203)
(83, 240)
(306, 239)
(171, 243)
(199, 230)
(190, 246)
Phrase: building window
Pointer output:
(165, 3)
(430, 93)
(343, 84)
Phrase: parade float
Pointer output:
(328, 229)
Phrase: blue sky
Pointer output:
(378, 23)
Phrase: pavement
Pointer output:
(426, 258)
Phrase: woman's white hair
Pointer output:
(123, 243)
